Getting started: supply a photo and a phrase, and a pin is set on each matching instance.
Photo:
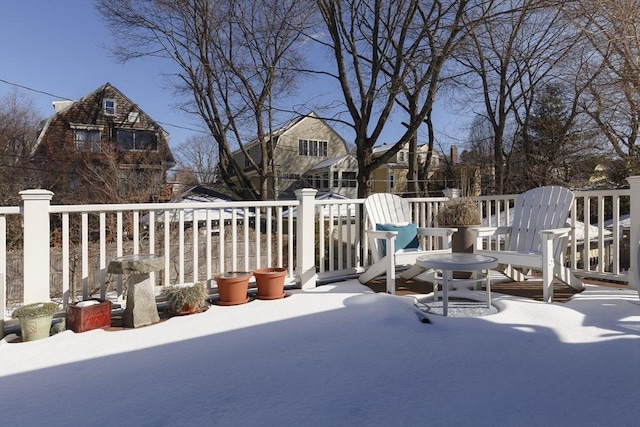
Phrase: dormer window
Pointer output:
(109, 107)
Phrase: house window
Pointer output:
(312, 148)
(137, 140)
(349, 179)
(86, 141)
(291, 176)
(325, 181)
(400, 156)
(391, 176)
(247, 162)
(336, 180)
(109, 107)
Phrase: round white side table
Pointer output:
(449, 262)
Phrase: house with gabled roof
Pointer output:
(301, 146)
(391, 177)
(103, 148)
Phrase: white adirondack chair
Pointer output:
(536, 239)
(384, 208)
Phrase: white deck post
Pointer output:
(35, 217)
(306, 273)
(634, 269)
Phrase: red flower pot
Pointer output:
(233, 287)
(81, 318)
(270, 282)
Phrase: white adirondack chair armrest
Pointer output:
(436, 231)
(555, 233)
(382, 234)
(489, 231)
(389, 236)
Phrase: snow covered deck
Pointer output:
(340, 355)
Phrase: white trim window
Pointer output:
(312, 148)
(109, 107)
(349, 179)
(86, 140)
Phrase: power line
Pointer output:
(42, 92)
(35, 90)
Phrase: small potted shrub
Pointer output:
(459, 212)
(186, 298)
(35, 319)
(462, 214)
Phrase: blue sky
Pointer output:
(60, 47)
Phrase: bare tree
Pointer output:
(234, 58)
(19, 120)
(476, 160)
(552, 142)
(507, 58)
(612, 31)
(384, 48)
(198, 155)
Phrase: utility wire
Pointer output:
(69, 99)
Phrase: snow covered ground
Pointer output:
(340, 355)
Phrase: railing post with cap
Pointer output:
(634, 269)
(35, 219)
(306, 273)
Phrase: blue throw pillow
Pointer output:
(407, 237)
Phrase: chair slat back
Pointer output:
(539, 209)
(384, 208)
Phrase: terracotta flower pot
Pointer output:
(184, 310)
(233, 287)
(270, 282)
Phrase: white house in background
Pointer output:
(300, 146)
(338, 175)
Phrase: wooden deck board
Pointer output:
(530, 289)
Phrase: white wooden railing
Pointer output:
(67, 248)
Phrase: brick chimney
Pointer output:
(454, 154)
